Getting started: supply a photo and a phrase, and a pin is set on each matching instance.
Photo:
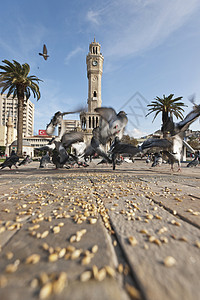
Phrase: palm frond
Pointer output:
(166, 105)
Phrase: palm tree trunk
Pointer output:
(20, 129)
(20, 96)
(164, 120)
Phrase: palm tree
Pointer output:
(15, 79)
(168, 107)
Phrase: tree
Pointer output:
(194, 142)
(129, 140)
(15, 79)
(168, 107)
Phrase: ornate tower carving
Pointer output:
(10, 137)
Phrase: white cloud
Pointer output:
(72, 54)
(93, 16)
(130, 27)
(136, 133)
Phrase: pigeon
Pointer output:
(171, 148)
(148, 160)
(103, 161)
(63, 141)
(10, 161)
(157, 160)
(44, 54)
(71, 137)
(57, 119)
(180, 127)
(195, 161)
(25, 161)
(122, 148)
(56, 159)
(45, 160)
(111, 123)
(49, 147)
(60, 156)
(79, 148)
(156, 143)
(173, 144)
(98, 147)
(89, 152)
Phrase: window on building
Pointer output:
(95, 94)
(84, 123)
(89, 122)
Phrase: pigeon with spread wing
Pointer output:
(111, 125)
(44, 53)
(173, 144)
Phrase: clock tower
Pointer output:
(94, 61)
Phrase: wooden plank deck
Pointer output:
(155, 210)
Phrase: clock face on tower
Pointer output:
(94, 63)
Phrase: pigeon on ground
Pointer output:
(60, 156)
(148, 160)
(45, 160)
(62, 142)
(172, 148)
(157, 160)
(10, 161)
(44, 53)
(195, 162)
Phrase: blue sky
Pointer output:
(150, 47)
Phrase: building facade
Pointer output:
(70, 125)
(37, 141)
(8, 108)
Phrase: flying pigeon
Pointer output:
(57, 119)
(111, 123)
(173, 145)
(44, 54)
(25, 161)
(71, 137)
(122, 148)
(156, 143)
(48, 147)
(172, 148)
(79, 148)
